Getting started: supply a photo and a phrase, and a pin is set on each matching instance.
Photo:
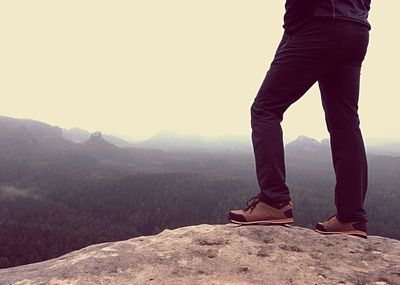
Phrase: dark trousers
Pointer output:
(330, 53)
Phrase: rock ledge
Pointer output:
(222, 254)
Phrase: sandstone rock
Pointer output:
(222, 254)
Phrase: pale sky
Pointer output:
(133, 68)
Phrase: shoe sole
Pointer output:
(265, 222)
(353, 233)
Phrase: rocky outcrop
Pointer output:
(222, 254)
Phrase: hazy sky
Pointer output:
(132, 68)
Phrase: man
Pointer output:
(324, 41)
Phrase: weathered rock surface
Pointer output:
(222, 254)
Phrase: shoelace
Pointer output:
(254, 201)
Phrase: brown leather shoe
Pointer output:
(333, 226)
(259, 212)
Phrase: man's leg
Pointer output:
(276, 94)
(297, 65)
(339, 94)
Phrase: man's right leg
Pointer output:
(299, 62)
(296, 67)
(283, 85)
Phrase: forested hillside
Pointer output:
(57, 196)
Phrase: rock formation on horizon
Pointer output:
(222, 254)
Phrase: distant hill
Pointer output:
(171, 141)
(28, 139)
(387, 148)
(307, 144)
(80, 135)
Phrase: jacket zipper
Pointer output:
(333, 9)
